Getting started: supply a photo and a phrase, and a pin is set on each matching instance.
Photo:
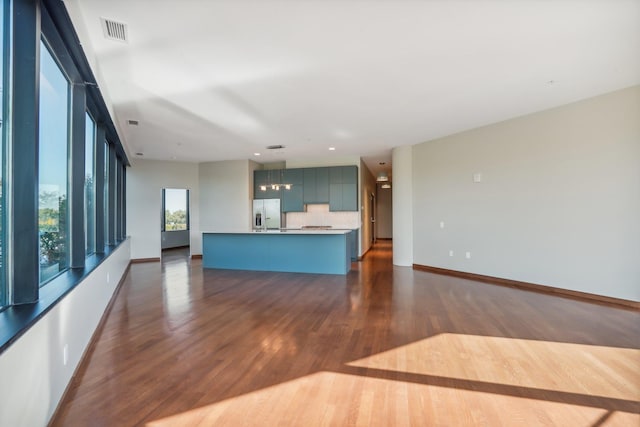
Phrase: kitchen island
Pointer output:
(299, 251)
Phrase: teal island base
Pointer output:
(298, 252)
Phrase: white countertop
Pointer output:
(283, 231)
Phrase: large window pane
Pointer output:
(116, 202)
(89, 186)
(106, 193)
(53, 167)
(3, 290)
(176, 209)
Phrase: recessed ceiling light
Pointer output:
(256, 154)
(332, 148)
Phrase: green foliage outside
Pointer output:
(174, 221)
(52, 224)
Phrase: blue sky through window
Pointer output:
(175, 199)
(53, 121)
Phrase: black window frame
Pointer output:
(26, 23)
(4, 136)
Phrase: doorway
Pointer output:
(175, 239)
(372, 210)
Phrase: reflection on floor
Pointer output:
(384, 345)
(176, 254)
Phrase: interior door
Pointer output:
(372, 209)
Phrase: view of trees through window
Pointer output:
(53, 175)
(44, 202)
(176, 209)
(89, 186)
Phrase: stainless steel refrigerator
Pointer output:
(266, 214)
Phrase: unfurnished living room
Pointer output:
(320, 213)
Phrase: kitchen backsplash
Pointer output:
(320, 215)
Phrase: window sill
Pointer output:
(15, 320)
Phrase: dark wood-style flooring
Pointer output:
(381, 346)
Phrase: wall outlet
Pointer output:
(107, 278)
(441, 224)
(467, 255)
(65, 354)
(477, 177)
(450, 253)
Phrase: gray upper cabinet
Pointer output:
(292, 198)
(266, 178)
(322, 185)
(335, 199)
(349, 197)
(310, 190)
(343, 188)
(337, 185)
(316, 185)
(349, 175)
(335, 175)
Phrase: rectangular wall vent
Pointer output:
(114, 30)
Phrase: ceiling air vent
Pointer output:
(275, 147)
(133, 122)
(114, 30)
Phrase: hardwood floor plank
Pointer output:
(384, 345)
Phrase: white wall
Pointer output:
(558, 205)
(402, 196)
(175, 239)
(145, 181)
(321, 162)
(253, 166)
(384, 214)
(226, 190)
(33, 376)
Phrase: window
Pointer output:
(116, 171)
(3, 291)
(176, 209)
(89, 186)
(106, 193)
(53, 175)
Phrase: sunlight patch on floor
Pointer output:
(337, 399)
(610, 372)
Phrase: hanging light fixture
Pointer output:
(382, 177)
(275, 187)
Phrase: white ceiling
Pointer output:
(221, 80)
